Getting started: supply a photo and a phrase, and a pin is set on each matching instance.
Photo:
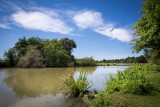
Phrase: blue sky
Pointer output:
(101, 28)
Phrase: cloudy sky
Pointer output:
(101, 28)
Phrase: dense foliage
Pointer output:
(75, 86)
(36, 52)
(86, 62)
(147, 30)
(3, 63)
(133, 80)
(139, 59)
(32, 59)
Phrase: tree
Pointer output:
(68, 45)
(21, 46)
(88, 61)
(37, 52)
(11, 57)
(56, 55)
(32, 59)
(141, 59)
(147, 29)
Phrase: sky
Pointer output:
(101, 28)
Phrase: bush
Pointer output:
(77, 86)
(32, 59)
(132, 80)
(100, 101)
(85, 62)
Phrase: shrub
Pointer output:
(100, 101)
(132, 80)
(32, 59)
(11, 57)
(86, 62)
(77, 86)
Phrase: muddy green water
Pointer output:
(42, 87)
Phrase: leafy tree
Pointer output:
(11, 57)
(56, 55)
(68, 45)
(148, 29)
(21, 46)
(86, 62)
(32, 59)
(3, 63)
(36, 42)
(37, 52)
(139, 59)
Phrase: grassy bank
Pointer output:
(137, 86)
(133, 100)
(113, 64)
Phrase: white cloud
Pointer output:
(121, 34)
(4, 26)
(94, 20)
(88, 19)
(41, 21)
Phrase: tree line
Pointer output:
(36, 52)
(139, 59)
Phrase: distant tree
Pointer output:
(56, 55)
(147, 30)
(88, 61)
(21, 46)
(32, 59)
(11, 57)
(36, 42)
(37, 52)
(141, 59)
(68, 45)
(3, 63)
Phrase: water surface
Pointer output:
(41, 87)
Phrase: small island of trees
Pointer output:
(36, 52)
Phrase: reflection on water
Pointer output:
(41, 87)
(35, 82)
(41, 101)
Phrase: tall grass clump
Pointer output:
(132, 80)
(78, 85)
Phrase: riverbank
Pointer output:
(151, 100)
(119, 96)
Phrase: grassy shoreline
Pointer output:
(136, 96)
(132, 100)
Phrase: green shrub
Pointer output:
(132, 80)
(85, 62)
(101, 100)
(76, 86)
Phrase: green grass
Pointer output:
(151, 100)
(123, 92)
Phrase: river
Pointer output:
(42, 87)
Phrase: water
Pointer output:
(41, 87)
